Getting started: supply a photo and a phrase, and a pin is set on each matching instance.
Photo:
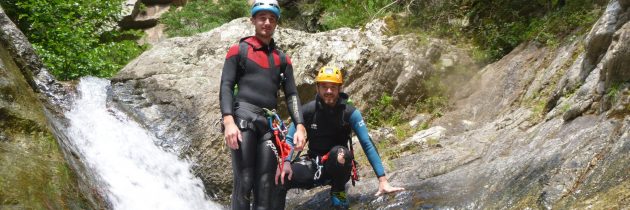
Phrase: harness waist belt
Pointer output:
(249, 107)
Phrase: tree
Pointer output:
(75, 38)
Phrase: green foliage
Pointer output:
(436, 100)
(75, 38)
(499, 26)
(384, 113)
(350, 13)
(565, 107)
(494, 27)
(333, 14)
(613, 91)
(201, 16)
(559, 24)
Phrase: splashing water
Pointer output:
(136, 172)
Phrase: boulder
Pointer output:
(600, 37)
(143, 16)
(617, 60)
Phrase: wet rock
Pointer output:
(37, 169)
(429, 136)
(419, 120)
(447, 63)
(600, 37)
(467, 124)
(434, 52)
(381, 133)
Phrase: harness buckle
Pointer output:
(242, 124)
(318, 173)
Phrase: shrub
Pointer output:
(384, 113)
(201, 16)
(312, 15)
(499, 26)
(75, 38)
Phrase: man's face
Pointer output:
(265, 23)
(329, 92)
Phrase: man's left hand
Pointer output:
(384, 187)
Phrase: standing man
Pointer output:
(258, 70)
(330, 120)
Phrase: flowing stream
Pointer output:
(134, 172)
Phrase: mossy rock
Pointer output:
(34, 173)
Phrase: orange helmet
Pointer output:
(329, 74)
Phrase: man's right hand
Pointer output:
(299, 138)
(232, 134)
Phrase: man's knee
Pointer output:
(246, 181)
(341, 154)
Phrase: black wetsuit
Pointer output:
(254, 163)
(329, 130)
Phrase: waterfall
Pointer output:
(136, 173)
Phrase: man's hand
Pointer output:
(384, 187)
(299, 138)
(232, 133)
(286, 169)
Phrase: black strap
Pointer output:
(242, 55)
(283, 66)
(249, 107)
(242, 59)
(345, 122)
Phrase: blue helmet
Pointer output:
(266, 5)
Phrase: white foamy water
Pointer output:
(136, 172)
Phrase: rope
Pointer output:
(279, 132)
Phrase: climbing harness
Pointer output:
(320, 165)
(279, 132)
(318, 173)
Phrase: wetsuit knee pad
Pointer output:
(246, 181)
(334, 169)
(335, 151)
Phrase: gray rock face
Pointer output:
(527, 151)
(145, 15)
(173, 88)
(539, 135)
(617, 60)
